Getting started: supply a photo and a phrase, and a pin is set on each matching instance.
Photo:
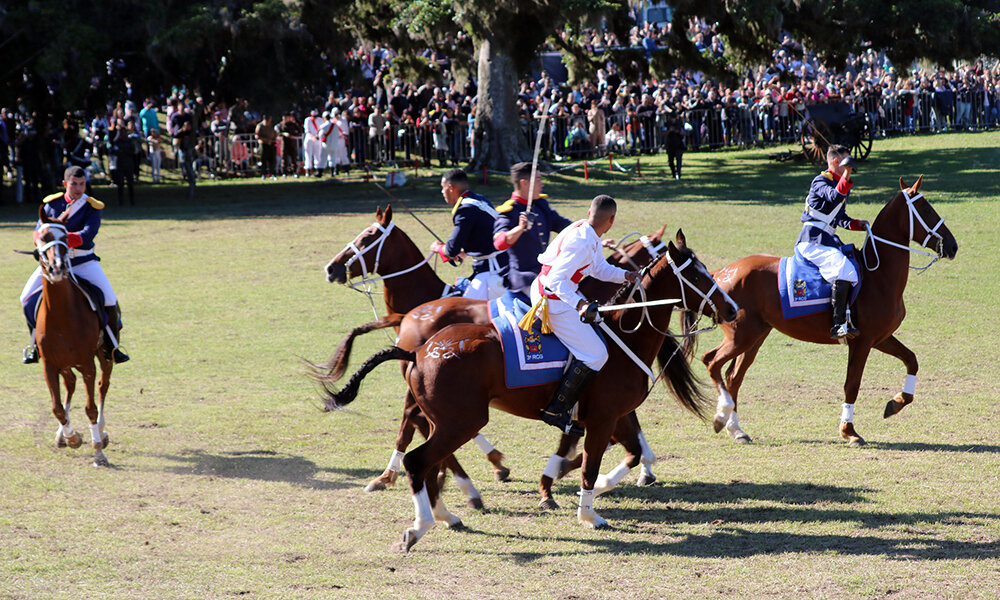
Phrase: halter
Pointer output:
(931, 233)
(655, 251)
(40, 251)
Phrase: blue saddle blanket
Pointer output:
(530, 358)
(93, 293)
(803, 290)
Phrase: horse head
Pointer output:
(699, 293)
(352, 260)
(51, 248)
(927, 228)
(641, 252)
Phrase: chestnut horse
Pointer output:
(879, 309)
(69, 336)
(458, 374)
(420, 323)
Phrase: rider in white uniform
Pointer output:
(573, 255)
(818, 241)
(312, 149)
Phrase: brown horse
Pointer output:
(69, 336)
(752, 282)
(386, 250)
(457, 375)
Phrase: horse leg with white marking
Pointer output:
(596, 442)
(65, 435)
(500, 472)
(857, 357)
(894, 347)
(97, 439)
(627, 434)
(734, 380)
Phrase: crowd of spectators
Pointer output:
(387, 120)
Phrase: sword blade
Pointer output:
(614, 307)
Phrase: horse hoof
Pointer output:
(375, 485)
(60, 441)
(409, 538)
(74, 441)
(501, 473)
(645, 480)
(101, 461)
(476, 503)
(548, 504)
(890, 409)
(857, 442)
(719, 422)
(458, 526)
(742, 439)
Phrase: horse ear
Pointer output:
(388, 214)
(672, 249)
(902, 186)
(378, 212)
(681, 240)
(659, 232)
(916, 186)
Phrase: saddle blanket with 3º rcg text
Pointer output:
(803, 290)
(530, 358)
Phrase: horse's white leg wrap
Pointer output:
(467, 488)
(847, 413)
(552, 467)
(484, 444)
(395, 462)
(585, 514)
(95, 434)
(725, 405)
(910, 385)
(607, 482)
(648, 457)
(733, 426)
(443, 515)
(424, 518)
(66, 430)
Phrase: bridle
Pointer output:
(370, 277)
(914, 214)
(40, 251)
(655, 251)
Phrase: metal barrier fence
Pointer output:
(449, 143)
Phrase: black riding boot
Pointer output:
(576, 379)
(115, 325)
(30, 354)
(842, 326)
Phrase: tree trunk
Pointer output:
(499, 140)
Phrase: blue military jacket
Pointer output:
(825, 210)
(474, 218)
(524, 265)
(84, 219)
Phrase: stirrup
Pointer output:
(562, 422)
(843, 330)
(30, 355)
(118, 357)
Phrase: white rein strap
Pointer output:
(931, 233)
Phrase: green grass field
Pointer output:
(227, 481)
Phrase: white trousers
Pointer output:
(581, 339)
(312, 151)
(831, 262)
(91, 271)
(485, 286)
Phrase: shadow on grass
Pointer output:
(262, 465)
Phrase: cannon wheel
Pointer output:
(815, 137)
(863, 145)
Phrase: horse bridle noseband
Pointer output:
(40, 250)
(377, 244)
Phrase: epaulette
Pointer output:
(827, 174)
(94, 202)
(52, 197)
(507, 206)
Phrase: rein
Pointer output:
(931, 233)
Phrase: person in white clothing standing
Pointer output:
(312, 149)
(573, 255)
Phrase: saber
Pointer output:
(534, 160)
(613, 307)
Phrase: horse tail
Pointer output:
(687, 389)
(689, 320)
(333, 369)
(333, 399)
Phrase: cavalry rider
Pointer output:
(818, 243)
(574, 254)
(82, 225)
(511, 230)
(472, 236)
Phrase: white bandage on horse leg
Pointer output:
(423, 517)
(725, 404)
(648, 457)
(95, 434)
(484, 444)
(733, 424)
(847, 413)
(67, 431)
(553, 467)
(467, 488)
(586, 499)
(910, 385)
(396, 462)
(606, 483)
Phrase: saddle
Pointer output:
(803, 291)
(530, 357)
(91, 292)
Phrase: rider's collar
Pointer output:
(516, 198)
